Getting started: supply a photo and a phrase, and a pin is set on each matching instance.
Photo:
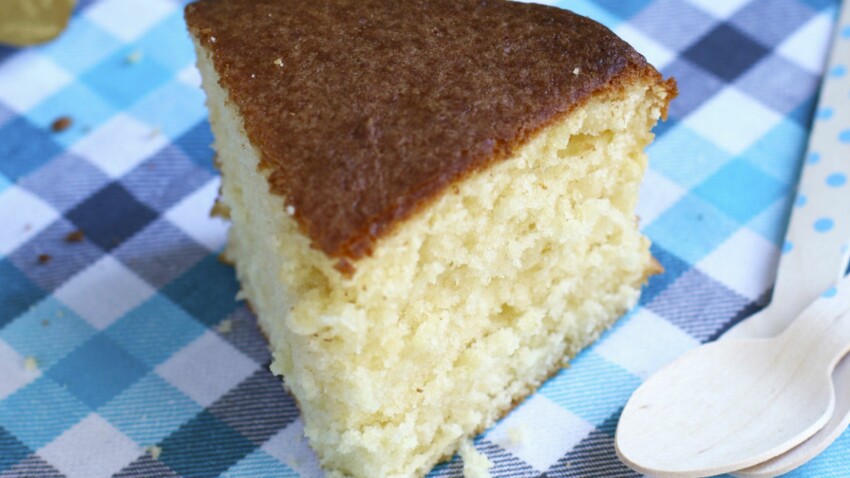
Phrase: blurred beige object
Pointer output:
(26, 22)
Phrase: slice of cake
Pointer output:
(432, 205)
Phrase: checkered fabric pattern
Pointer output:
(126, 353)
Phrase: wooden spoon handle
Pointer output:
(822, 330)
(815, 254)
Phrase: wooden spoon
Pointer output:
(732, 404)
(813, 259)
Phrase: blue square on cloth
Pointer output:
(24, 148)
(122, 82)
(820, 4)
(207, 291)
(149, 410)
(592, 387)
(595, 452)
(82, 45)
(772, 223)
(622, 8)
(173, 108)
(691, 23)
(144, 467)
(196, 144)
(160, 252)
(726, 52)
(591, 9)
(168, 43)
(66, 259)
(13, 450)
(165, 178)
(239, 407)
(259, 463)
(741, 190)
(17, 293)
(48, 332)
(705, 226)
(79, 179)
(698, 304)
(769, 81)
(6, 114)
(780, 151)
(204, 436)
(696, 87)
(771, 21)
(686, 157)
(97, 371)
(40, 412)
(4, 183)
(804, 114)
(110, 216)
(155, 330)
(77, 101)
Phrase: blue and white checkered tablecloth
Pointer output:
(126, 354)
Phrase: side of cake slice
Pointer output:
(432, 205)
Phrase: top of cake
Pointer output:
(364, 110)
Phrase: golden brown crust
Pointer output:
(363, 111)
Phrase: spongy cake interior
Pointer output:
(465, 307)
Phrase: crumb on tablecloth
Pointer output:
(30, 364)
(154, 450)
(225, 326)
(61, 124)
(475, 463)
(75, 236)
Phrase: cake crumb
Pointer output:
(61, 124)
(30, 364)
(155, 132)
(44, 258)
(134, 57)
(516, 435)
(225, 327)
(576, 70)
(45, 323)
(75, 236)
(279, 62)
(154, 450)
(475, 463)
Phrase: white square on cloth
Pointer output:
(24, 215)
(41, 76)
(546, 428)
(745, 120)
(119, 144)
(192, 217)
(746, 263)
(807, 47)
(645, 343)
(103, 292)
(92, 448)
(207, 368)
(12, 370)
(129, 19)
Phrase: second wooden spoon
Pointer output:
(735, 403)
